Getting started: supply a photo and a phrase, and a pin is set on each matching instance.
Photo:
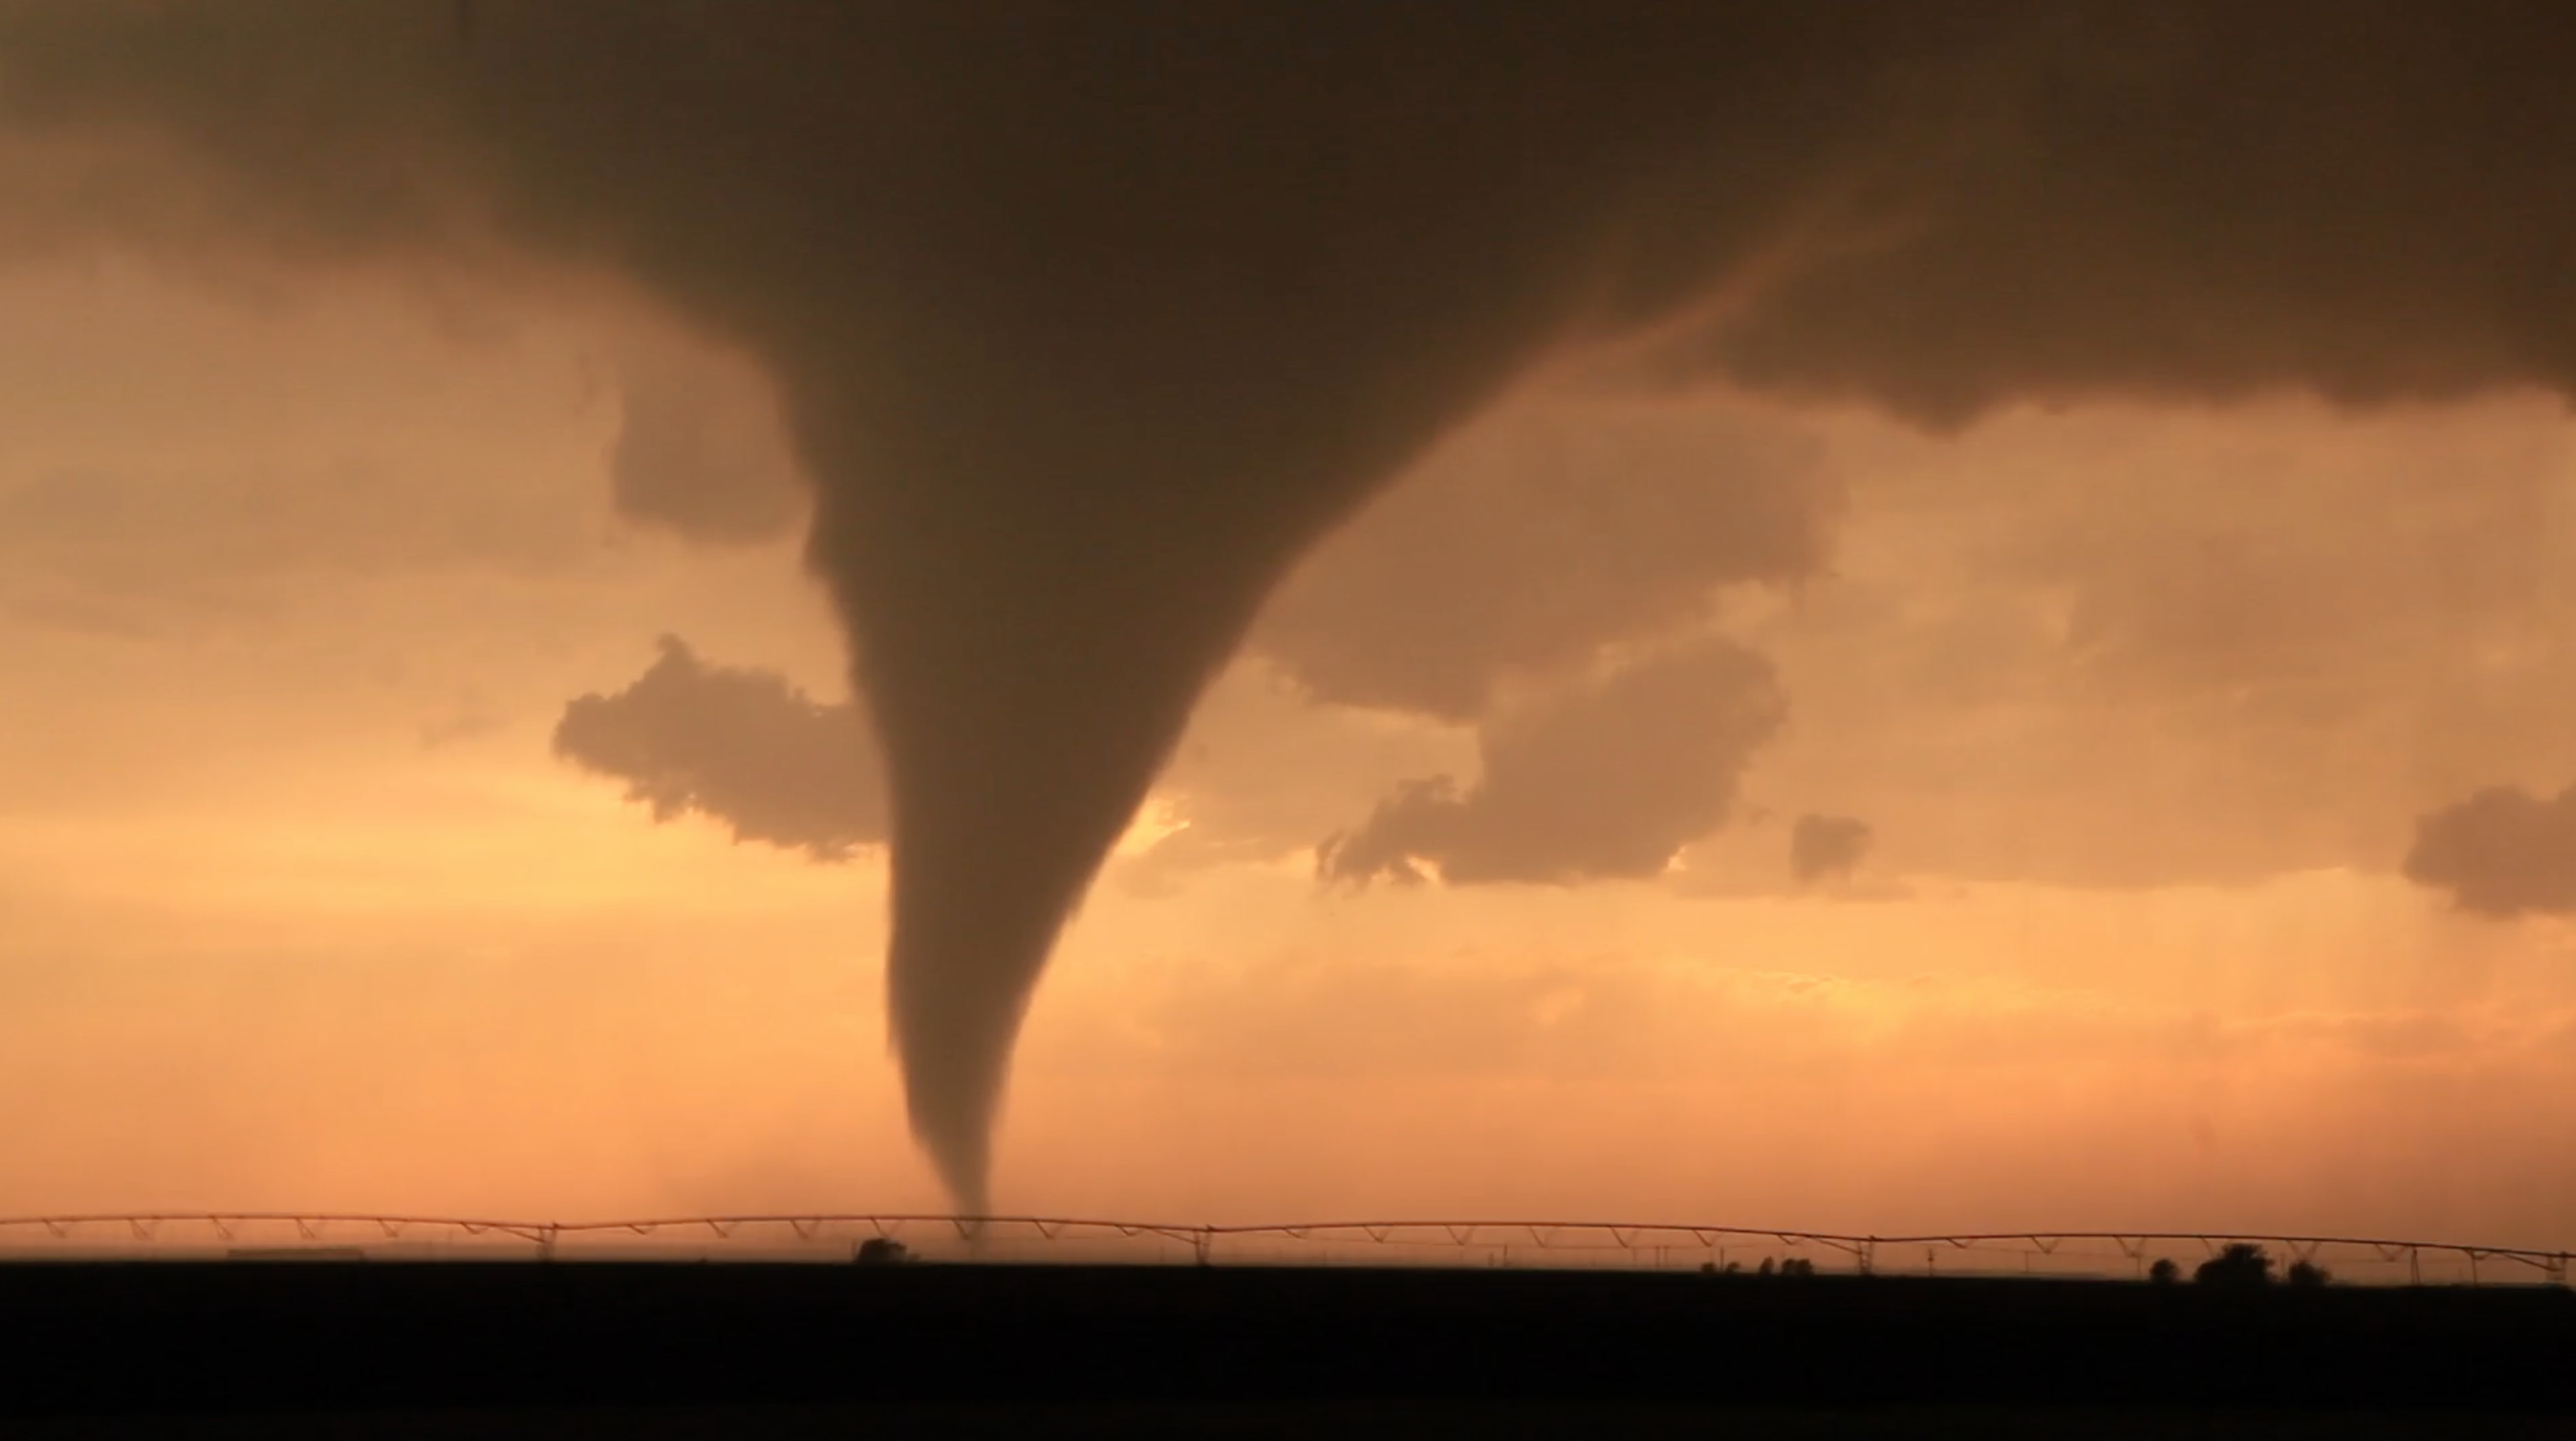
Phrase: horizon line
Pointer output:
(1460, 1232)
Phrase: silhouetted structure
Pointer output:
(1498, 1243)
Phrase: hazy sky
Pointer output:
(2099, 762)
(2139, 708)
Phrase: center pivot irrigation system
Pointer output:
(262, 1235)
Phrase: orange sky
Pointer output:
(298, 910)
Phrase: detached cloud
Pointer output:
(2503, 852)
(1604, 781)
(1261, 773)
(1823, 846)
(738, 746)
(1541, 536)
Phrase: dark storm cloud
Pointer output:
(1090, 317)
(2502, 852)
(1606, 781)
(1825, 846)
(738, 746)
(2362, 198)
(1531, 541)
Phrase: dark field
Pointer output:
(687, 1350)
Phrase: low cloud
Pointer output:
(1263, 771)
(2266, 639)
(1606, 781)
(1540, 537)
(2503, 852)
(739, 746)
(1821, 847)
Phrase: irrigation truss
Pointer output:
(1040, 1238)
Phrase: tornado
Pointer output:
(1249, 261)
(1091, 316)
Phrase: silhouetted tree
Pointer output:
(2242, 1264)
(2308, 1273)
(882, 1251)
(1766, 1267)
(1797, 1266)
(2164, 1272)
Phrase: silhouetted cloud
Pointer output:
(1602, 781)
(738, 746)
(2502, 852)
(1824, 846)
